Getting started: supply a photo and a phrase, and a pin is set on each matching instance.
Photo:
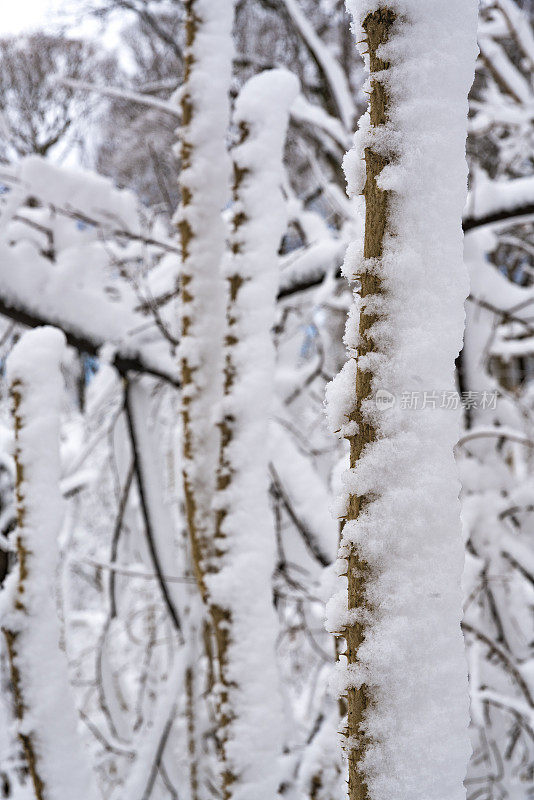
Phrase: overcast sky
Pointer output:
(19, 15)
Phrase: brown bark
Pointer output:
(377, 27)
(191, 733)
(204, 534)
(10, 636)
(221, 617)
(197, 537)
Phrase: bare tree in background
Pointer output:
(37, 111)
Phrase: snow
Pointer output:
(517, 20)
(127, 669)
(123, 94)
(306, 492)
(335, 77)
(493, 197)
(310, 262)
(246, 537)
(204, 186)
(165, 715)
(412, 659)
(49, 717)
(76, 285)
(304, 111)
(77, 189)
(509, 76)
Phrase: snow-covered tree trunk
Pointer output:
(46, 719)
(404, 671)
(250, 712)
(204, 187)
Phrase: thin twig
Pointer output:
(173, 612)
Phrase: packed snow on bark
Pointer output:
(412, 658)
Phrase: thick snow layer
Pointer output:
(256, 732)
(63, 271)
(49, 713)
(493, 197)
(204, 185)
(78, 190)
(412, 658)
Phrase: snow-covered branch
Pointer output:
(335, 79)
(204, 188)
(46, 718)
(244, 620)
(117, 93)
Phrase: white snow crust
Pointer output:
(412, 658)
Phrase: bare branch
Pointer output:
(141, 485)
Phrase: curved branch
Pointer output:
(141, 485)
(308, 536)
(156, 765)
(117, 528)
(499, 433)
(505, 659)
(507, 215)
(123, 362)
(116, 93)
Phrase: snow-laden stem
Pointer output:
(45, 712)
(377, 27)
(250, 733)
(11, 636)
(401, 556)
(204, 186)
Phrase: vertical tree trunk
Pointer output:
(401, 556)
(377, 27)
(251, 729)
(204, 188)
